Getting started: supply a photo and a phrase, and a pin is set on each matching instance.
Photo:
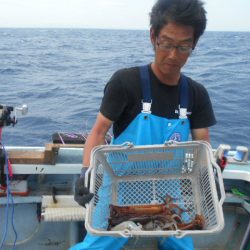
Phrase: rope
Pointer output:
(9, 198)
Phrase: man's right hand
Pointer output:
(82, 195)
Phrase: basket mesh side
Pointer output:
(206, 204)
(102, 198)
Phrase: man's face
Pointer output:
(172, 46)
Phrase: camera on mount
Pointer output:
(6, 117)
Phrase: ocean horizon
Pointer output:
(60, 73)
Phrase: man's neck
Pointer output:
(168, 79)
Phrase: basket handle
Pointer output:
(221, 184)
(125, 145)
(88, 172)
(87, 177)
(218, 171)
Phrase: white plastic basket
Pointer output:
(128, 175)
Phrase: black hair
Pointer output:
(185, 12)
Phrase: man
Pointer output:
(154, 103)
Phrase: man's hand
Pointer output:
(82, 195)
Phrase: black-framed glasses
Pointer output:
(167, 46)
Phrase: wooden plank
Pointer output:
(26, 157)
(51, 151)
(48, 156)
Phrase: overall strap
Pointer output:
(146, 89)
(183, 97)
(146, 92)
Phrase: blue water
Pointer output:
(61, 74)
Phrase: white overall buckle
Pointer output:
(146, 107)
(182, 113)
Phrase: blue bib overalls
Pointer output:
(147, 129)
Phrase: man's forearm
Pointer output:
(94, 139)
(201, 134)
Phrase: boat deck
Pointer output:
(58, 179)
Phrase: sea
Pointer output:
(61, 74)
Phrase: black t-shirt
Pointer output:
(122, 100)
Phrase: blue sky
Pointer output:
(223, 15)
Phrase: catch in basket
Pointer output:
(174, 189)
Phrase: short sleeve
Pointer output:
(114, 99)
(202, 113)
